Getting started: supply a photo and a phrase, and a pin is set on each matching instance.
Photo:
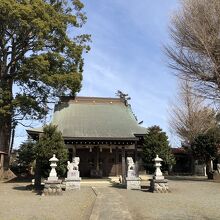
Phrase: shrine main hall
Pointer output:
(101, 131)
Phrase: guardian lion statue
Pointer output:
(74, 165)
(130, 163)
(76, 161)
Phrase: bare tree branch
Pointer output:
(188, 116)
(195, 52)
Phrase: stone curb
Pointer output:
(96, 207)
(95, 191)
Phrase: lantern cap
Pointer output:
(53, 159)
(157, 159)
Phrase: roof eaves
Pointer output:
(101, 138)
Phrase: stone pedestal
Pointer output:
(72, 184)
(132, 181)
(52, 187)
(72, 181)
(159, 186)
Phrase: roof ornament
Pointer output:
(124, 97)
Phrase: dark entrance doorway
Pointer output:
(106, 160)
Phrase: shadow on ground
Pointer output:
(29, 188)
(120, 186)
(189, 178)
(20, 179)
(22, 188)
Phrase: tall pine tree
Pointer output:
(40, 53)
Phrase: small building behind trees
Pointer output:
(183, 162)
(101, 131)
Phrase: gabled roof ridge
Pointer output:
(96, 97)
(88, 97)
(84, 99)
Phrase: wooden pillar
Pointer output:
(70, 154)
(136, 159)
(97, 158)
(123, 165)
(74, 151)
(116, 161)
(135, 153)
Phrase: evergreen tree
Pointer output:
(156, 143)
(27, 155)
(40, 53)
(50, 142)
(205, 146)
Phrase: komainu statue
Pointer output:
(132, 180)
(74, 165)
(130, 163)
(73, 179)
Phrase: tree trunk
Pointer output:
(209, 164)
(5, 135)
(12, 140)
(37, 180)
(209, 168)
(6, 112)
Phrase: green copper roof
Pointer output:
(96, 119)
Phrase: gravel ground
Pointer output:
(188, 199)
(17, 203)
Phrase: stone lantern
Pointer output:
(158, 174)
(52, 184)
(158, 183)
(53, 165)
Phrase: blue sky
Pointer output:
(127, 54)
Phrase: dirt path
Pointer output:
(109, 205)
